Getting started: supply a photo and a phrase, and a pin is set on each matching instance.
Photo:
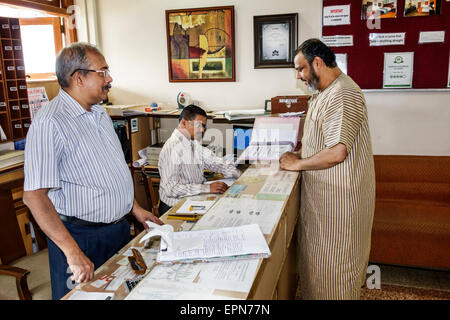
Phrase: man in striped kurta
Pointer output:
(338, 179)
(77, 183)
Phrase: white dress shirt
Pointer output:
(181, 167)
(78, 156)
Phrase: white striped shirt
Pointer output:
(77, 154)
(181, 166)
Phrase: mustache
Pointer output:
(108, 86)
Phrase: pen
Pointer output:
(185, 218)
(197, 208)
(109, 282)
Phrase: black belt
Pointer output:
(84, 223)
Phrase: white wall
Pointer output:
(132, 35)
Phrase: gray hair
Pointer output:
(71, 58)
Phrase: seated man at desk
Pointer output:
(183, 160)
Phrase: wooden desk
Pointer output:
(275, 278)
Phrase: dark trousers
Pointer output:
(163, 208)
(98, 244)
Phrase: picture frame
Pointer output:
(417, 8)
(275, 40)
(201, 44)
(378, 9)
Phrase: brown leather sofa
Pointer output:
(412, 212)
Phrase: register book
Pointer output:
(243, 242)
(271, 137)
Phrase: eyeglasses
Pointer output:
(102, 73)
(198, 124)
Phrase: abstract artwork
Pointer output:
(200, 44)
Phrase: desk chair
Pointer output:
(22, 276)
(151, 185)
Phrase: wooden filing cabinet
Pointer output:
(15, 219)
(15, 118)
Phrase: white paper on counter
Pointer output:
(229, 275)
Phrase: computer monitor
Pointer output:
(242, 136)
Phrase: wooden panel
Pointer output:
(287, 284)
(140, 193)
(266, 280)
(42, 5)
(140, 139)
(11, 242)
(293, 210)
(23, 219)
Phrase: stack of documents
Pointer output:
(241, 114)
(11, 157)
(243, 242)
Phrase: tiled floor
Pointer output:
(402, 283)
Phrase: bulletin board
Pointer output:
(365, 63)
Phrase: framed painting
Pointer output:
(200, 44)
(275, 40)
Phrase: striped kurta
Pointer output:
(337, 204)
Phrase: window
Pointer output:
(41, 42)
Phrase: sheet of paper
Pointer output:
(431, 36)
(338, 40)
(115, 279)
(269, 170)
(387, 39)
(232, 212)
(277, 187)
(228, 181)
(37, 98)
(282, 124)
(151, 289)
(165, 231)
(336, 15)
(177, 272)
(195, 207)
(236, 190)
(82, 295)
(229, 275)
(273, 135)
(2, 134)
(264, 152)
(186, 226)
(341, 60)
(223, 243)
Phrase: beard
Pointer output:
(314, 81)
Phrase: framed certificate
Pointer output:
(275, 40)
(398, 70)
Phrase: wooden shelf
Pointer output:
(15, 122)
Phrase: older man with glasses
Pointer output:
(183, 159)
(77, 183)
